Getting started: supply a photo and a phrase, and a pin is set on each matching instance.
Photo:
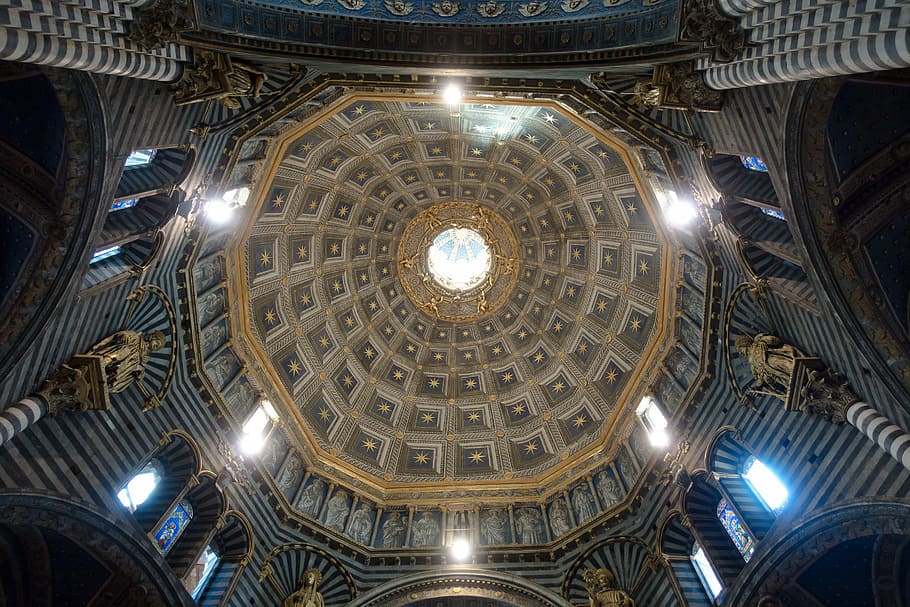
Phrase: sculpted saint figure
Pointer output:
(608, 489)
(584, 504)
(337, 510)
(124, 356)
(528, 526)
(493, 527)
(393, 531)
(426, 530)
(771, 360)
(559, 517)
(603, 590)
(311, 499)
(361, 524)
(307, 595)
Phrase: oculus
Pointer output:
(459, 259)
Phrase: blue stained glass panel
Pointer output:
(173, 526)
(774, 213)
(126, 203)
(754, 163)
(736, 530)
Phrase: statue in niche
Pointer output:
(307, 595)
(361, 526)
(393, 531)
(208, 273)
(493, 527)
(528, 526)
(603, 590)
(571, 6)
(583, 502)
(241, 396)
(771, 361)
(559, 517)
(608, 489)
(311, 499)
(426, 530)
(337, 510)
(289, 474)
(124, 356)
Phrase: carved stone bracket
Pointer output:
(821, 391)
(161, 24)
(702, 22)
(214, 76)
(678, 86)
(78, 385)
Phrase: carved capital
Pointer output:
(824, 392)
(214, 76)
(161, 23)
(77, 385)
(702, 22)
(678, 86)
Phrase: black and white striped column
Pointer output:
(805, 39)
(19, 416)
(892, 439)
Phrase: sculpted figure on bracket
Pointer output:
(603, 590)
(771, 361)
(307, 595)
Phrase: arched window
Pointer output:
(172, 526)
(216, 572)
(654, 421)
(199, 574)
(139, 158)
(753, 163)
(706, 573)
(735, 528)
(140, 487)
(765, 484)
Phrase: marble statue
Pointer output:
(603, 590)
(583, 502)
(771, 360)
(337, 510)
(311, 498)
(124, 356)
(608, 489)
(307, 595)
(559, 517)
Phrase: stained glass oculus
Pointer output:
(459, 259)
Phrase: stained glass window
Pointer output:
(173, 526)
(126, 203)
(200, 572)
(140, 487)
(706, 573)
(754, 163)
(765, 484)
(104, 254)
(139, 158)
(735, 529)
(774, 213)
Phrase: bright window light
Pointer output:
(652, 418)
(140, 487)
(460, 549)
(139, 158)
(706, 572)
(198, 576)
(765, 484)
(452, 94)
(680, 212)
(219, 211)
(459, 259)
(237, 196)
(254, 428)
(104, 254)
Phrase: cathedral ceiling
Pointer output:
(386, 374)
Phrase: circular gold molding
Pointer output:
(449, 304)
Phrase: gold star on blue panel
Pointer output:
(599, 211)
(552, 182)
(383, 408)
(559, 387)
(528, 450)
(348, 321)
(471, 173)
(603, 154)
(268, 315)
(303, 146)
(420, 458)
(584, 350)
(611, 380)
(360, 175)
(388, 331)
(517, 411)
(475, 458)
(372, 306)
(507, 378)
(362, 247)
(379, 130)
(388, 225)
(473, 418)
(602, 306)
(427, 419)
(609, 259)
(578, 254)
(476, 150)
(437, 149)
(551, 119)
(368, 354)
(343, 210)
(533, 137)
(303, 298)
(311, 203)
(522, 334)
(277, 200)
(322, 341)
(442, 334)
(558, 326)
(645, 269)
(334, 248)
(524, 228)
(489, 328)
(301, 248)
(382, 191)
(402, 312)
(537, 309)
(547, 282)
(434, 384)
(439, 357)
(397, 375)
(322, 414)
(358, 110)
(334, 160)
(527, 276)
(545, 223)
(335, 286)
(519, 161)
(292, 368)
(569, 217)
(363, 277)
(637, 326)
(632, 206)
(264, 258)
(538, 358)
(369, 219)
(396, 155)
(441, 172)
(409, 349)
(410, 178)
(419, 329)
(346, 381)
(502, 178)
(367, 446)
(469, 384)
(576, 168)
(400, 206)
(495, 350)
(578, 423)
(571, 292)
